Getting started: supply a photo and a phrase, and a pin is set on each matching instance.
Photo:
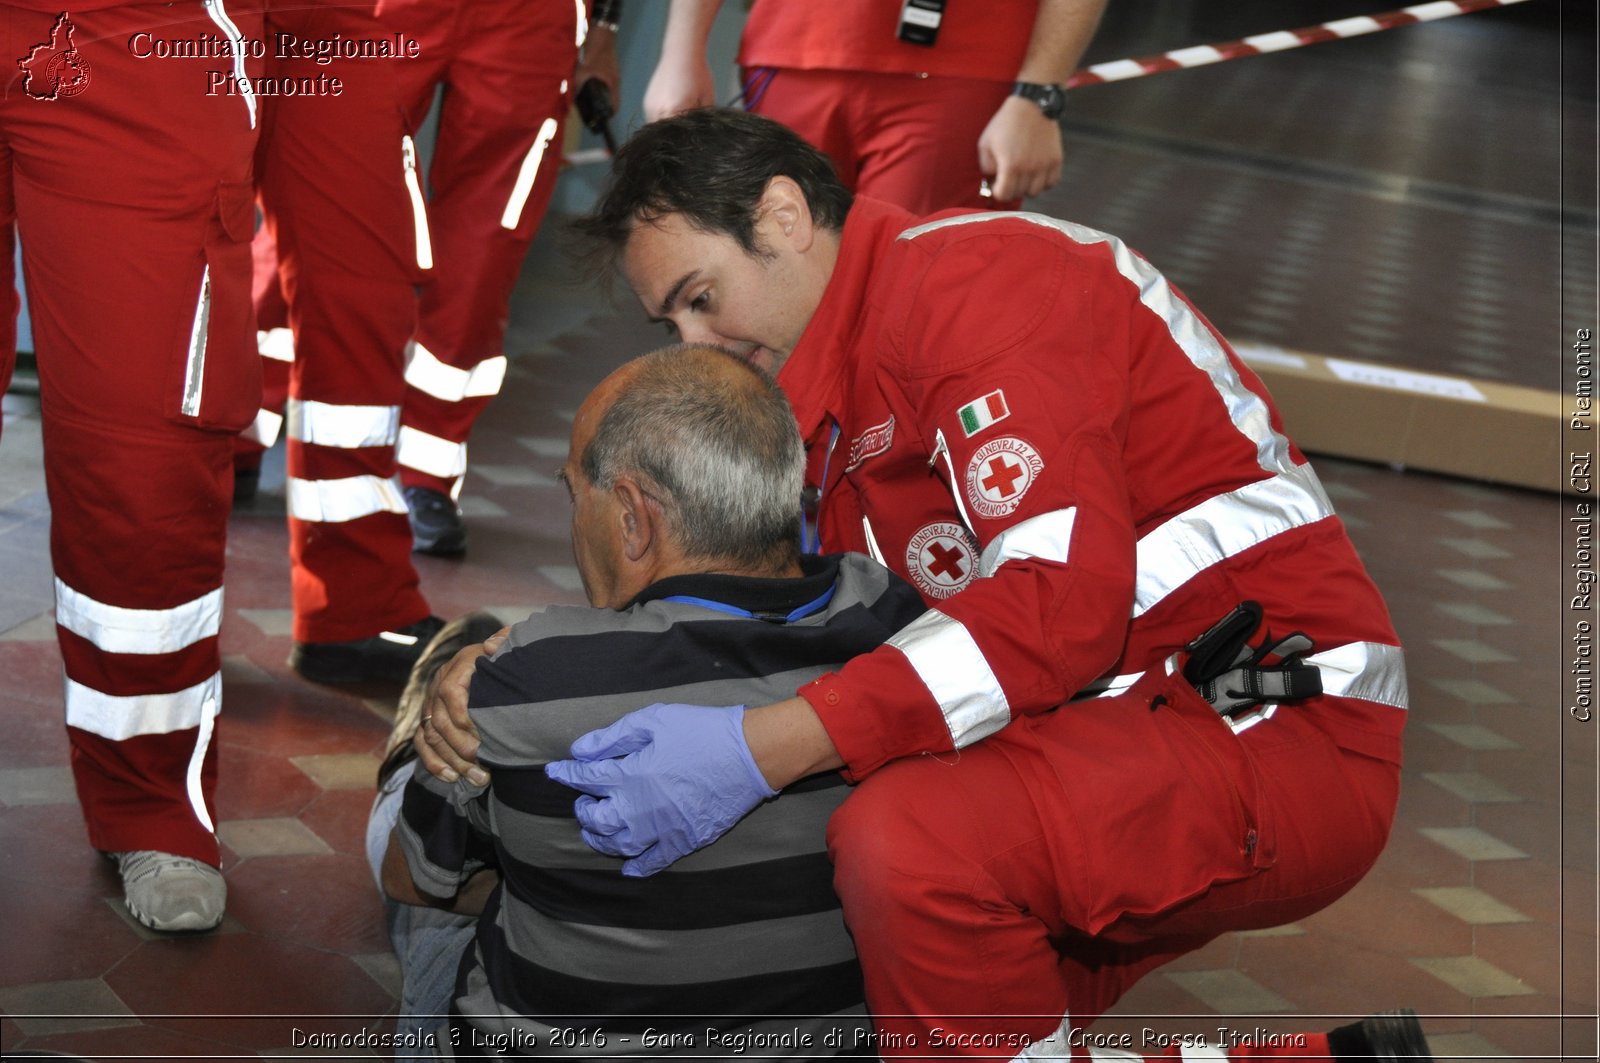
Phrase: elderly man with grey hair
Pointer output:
(685, 473)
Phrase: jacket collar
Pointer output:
(813, 378)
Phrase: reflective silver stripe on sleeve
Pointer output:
(194, 367)
(1202, 1054)
(336, 501)
(217, 9)
(952, 667)
(1222, 527)
(276, 344)
(431, 454)
(426, 373)
(1047, 537)
(1369, 671)
(1247, 410)
(512, 216)
(326, 424)
(583, 21)
(118, 629)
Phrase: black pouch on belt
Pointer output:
(1234, 676)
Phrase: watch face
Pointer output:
(1050, 98)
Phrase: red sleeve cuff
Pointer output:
(876, 709)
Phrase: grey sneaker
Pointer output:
(167, 892)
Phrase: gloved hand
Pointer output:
(662, 782)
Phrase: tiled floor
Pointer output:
(1391, 198)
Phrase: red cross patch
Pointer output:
(1000, 473)
(941, 559)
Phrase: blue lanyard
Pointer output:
(813, 543)
(733, 610)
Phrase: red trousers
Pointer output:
(129, 187)
(1010, 893)
(897, 137)
(332, 176)
(505, 66)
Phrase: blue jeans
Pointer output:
(428, 942)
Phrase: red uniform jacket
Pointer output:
(1025, 419)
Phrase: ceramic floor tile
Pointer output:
(38, 628)
(1475, 691)
(515, 475)
(269, 621)
(1474, 652)
(1473, 736)
(37, 786)
(564, 576)
(1476, 518)
(1464, 1048)
(1473, 844)
(1473, 977)
(1473, 613)
(476, 506)
(1471, 786)
(238, 669)
(281, 836)
(339, 771)
(1471, 905)
(1468, 577)
(58, 1007)
(1229, 992)
(1476, 548)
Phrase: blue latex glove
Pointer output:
(662, 782)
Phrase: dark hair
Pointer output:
(710, 165)
(719, 449)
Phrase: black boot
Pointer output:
(386, 656)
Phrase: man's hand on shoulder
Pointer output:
(447, 742)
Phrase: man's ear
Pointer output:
(786, 212)
(639, 519)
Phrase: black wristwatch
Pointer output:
(1052, 99)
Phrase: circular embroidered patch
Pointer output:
(941, 559)
(1000, 473)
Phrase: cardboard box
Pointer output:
(1371, 412)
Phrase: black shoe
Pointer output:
(452, 638)
(386, 656)
(1387, 1036)
(436, 526)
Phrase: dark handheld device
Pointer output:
(919, 21)
(595, 110)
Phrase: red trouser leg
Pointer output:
(132, 202)
(1010, 894)
(333, 194)
(275, 341)
(494, 168)
(896, 137)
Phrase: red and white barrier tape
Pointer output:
(1204, 54)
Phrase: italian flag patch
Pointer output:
(981, 413)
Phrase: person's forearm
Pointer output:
(1062, 31)
(689, 27)
(788, 742)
